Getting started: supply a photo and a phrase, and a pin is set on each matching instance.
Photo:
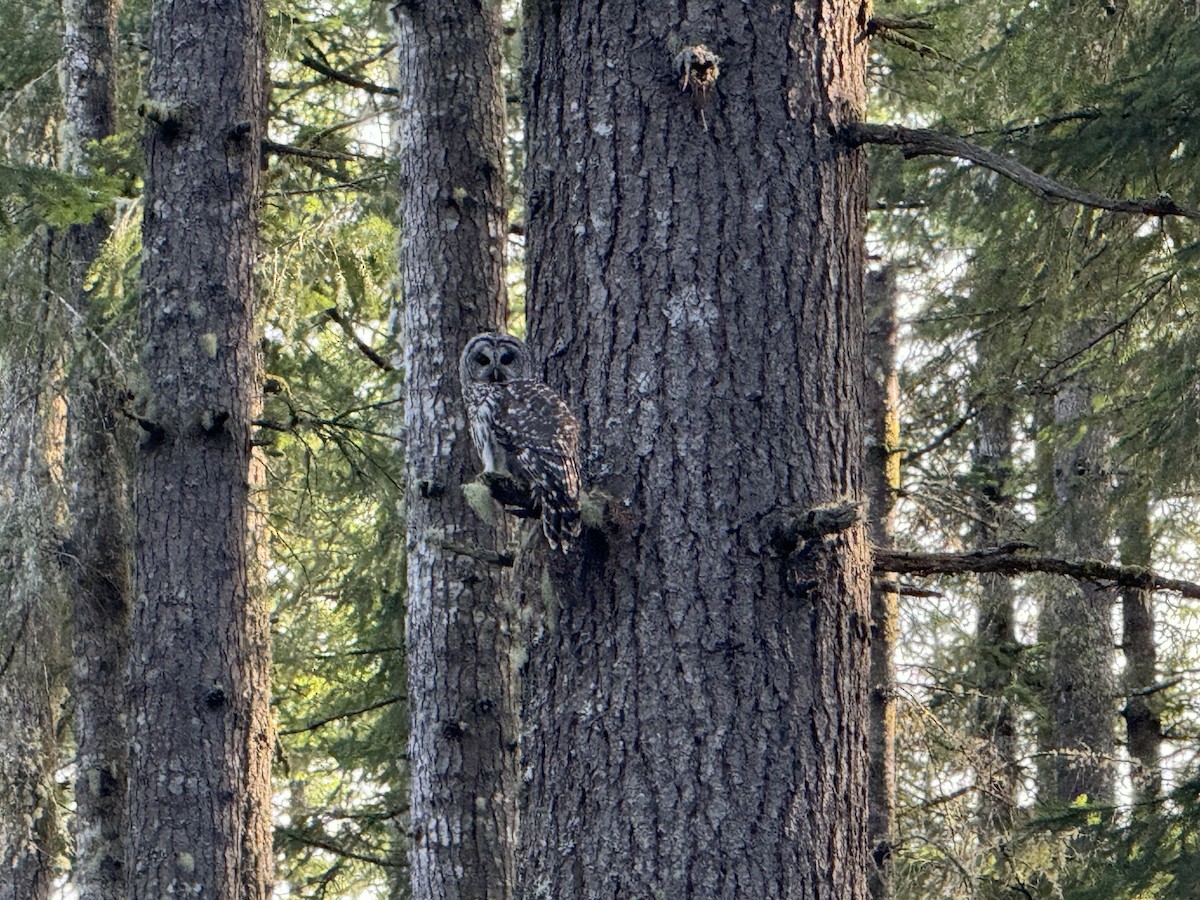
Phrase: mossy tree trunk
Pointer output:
(459, 639)
(98, 454)
(32, 616)
(198, 702)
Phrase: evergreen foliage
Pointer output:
(1099, 95)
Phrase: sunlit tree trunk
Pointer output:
(696, 707)
(100, 565)
(459, 637)
(200, 735)
(882, 478)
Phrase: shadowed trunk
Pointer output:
(32, 665)
(882, 476)
(98, 448)
(1143, 706)
(1077, 621)
(995, 630)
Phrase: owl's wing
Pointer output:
(540, 437)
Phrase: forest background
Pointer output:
(1043, 354)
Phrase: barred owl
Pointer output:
(521, 427)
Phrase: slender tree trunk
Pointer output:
(31, 618)
(462, 679)
(697, 708)
(1079, 615)
(996, 662)
(200, 735)
(882, 476)
(98, 459)
(1143, 711)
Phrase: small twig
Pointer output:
(950, 431)
(350, 713)
(482, 554)
(304, 153)
(331, 847)
(905, 590)
(925, 142)
(335, 316)
(360, 83)
(1155, 688)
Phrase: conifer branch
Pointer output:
(1017, 559)
(347, 714)
(353, 81)
(925, 142)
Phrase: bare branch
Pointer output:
(353, 81)
(1016, 559)
(334, 315)
(924, 142)
(313, 726)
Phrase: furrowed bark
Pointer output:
(697, 707)
(459, 635)
(98, 459)
(199, 722)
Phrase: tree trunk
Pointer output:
(996, 662)
(31, 607)
(1078, 617)
(882, 475)
(98, 459)
(1143, 710)
(459, 637)
(200, 735)
(697, 702)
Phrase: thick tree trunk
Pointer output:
(996, 662)
(31, 618)
(882, 476)
(1143, 707)
(697, 703)
(98, 460)
(459, 636)
(200, 735)
(1077, 621)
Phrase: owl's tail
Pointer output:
(560, 520)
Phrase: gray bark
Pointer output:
(98, 445)
(995, 630)
(1143, 711)
(200, 736)
(459, 636)
(1077, 620)
(697, 704)
(31, 663)
(882, 477)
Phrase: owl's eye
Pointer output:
(482, 359)
(507, 357)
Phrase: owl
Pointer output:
(522, 428)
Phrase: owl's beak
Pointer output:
(494, 376)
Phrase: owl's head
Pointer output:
(498, 358)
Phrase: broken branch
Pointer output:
(1015, 559)
(925, 142)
